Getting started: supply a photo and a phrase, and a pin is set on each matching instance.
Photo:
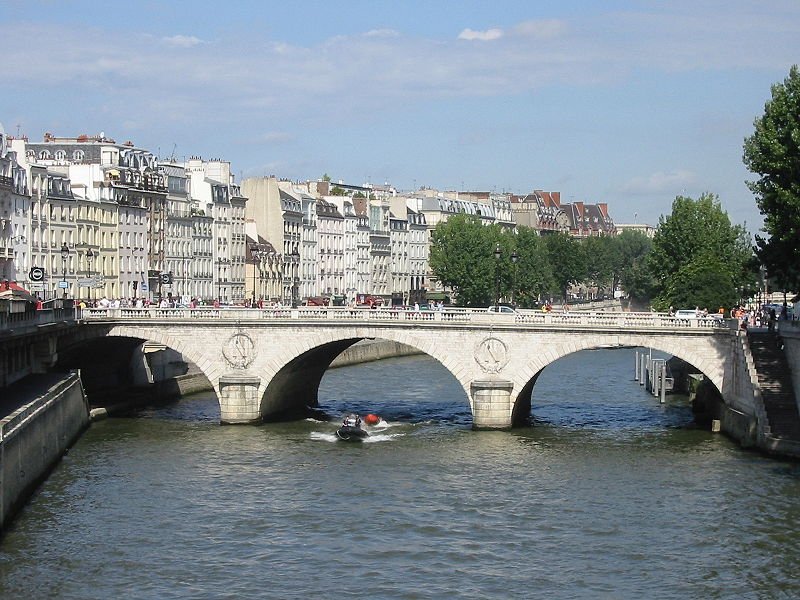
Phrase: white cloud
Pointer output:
(660, 183)
(182, 41)
(261, 80)
(484, 36)
(384, 33)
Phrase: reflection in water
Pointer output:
(610, 495)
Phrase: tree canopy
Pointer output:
(631, 270)
(567, 259)
(462, 258)
(773, 152)
(698, 258)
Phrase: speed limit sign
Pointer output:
(36, 274)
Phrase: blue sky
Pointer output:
(629, 103)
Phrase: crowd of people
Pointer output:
(766, 316)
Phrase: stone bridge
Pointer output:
(267, 362)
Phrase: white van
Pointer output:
(686, 314)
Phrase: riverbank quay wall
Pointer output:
(35, 436)
(742, 414)
(790, 334)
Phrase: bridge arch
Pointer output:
(294, 382)
(709, 360)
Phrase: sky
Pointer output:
(631, 103)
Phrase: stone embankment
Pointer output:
(50, 414)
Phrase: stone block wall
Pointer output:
(34, 438)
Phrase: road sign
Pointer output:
(86, 282)
(166, 278)
(36, 287)
(63, 284)
(36, 274)
(143, 286)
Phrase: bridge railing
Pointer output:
(625, 320)
(31, 319)
(621, 319)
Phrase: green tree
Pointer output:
(637, 280)
(703, 282)
(567, 260)
(773, 152)
(533, 274)
(600, 252)
(697, 233)
(630, 252)
(462, 258)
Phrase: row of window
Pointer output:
(77, 155)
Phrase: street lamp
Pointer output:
(497, 255)
(514, 259)
(295, 259)
(89, 258)
(256, 256)
(64, 257)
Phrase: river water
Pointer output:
(608, 495)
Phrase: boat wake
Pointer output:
(375, 436)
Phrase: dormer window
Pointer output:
(61, 154)
(44, 155)
(78, 155)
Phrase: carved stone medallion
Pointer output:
(492, 355)
(239, 350)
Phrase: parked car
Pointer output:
(691, 313)
(503, 309)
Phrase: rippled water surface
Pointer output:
(609, 495)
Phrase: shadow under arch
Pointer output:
(698, 362)
(295, 387)
(116, 363)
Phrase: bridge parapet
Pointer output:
(566, 320)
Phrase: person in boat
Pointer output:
(352, 421)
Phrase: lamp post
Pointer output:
(89, 257)
(497, 255)
(219, 281)
(256, 256)
(64, 256)
(295, 258)
(514, 259)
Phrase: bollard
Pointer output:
(654, 391)
(642, 370)
(664, 382)
(636, 367)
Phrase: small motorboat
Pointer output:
(351, 430)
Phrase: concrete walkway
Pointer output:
(26, 390)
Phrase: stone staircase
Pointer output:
(775, 381)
